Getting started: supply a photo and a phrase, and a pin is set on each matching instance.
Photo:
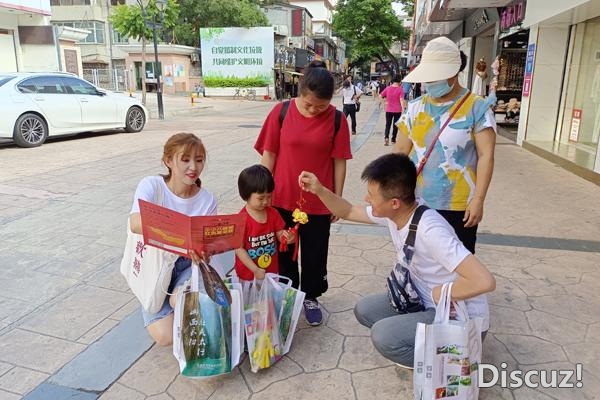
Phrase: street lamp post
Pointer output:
(282, 58)
(160, 5)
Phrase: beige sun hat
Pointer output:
(440, 60)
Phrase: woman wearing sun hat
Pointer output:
(460, 129)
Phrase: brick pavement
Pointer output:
(69, 328)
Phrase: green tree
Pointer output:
(408, 6)
(129, 21)
(371, 26)
(196, 14)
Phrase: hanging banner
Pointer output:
(528, 70)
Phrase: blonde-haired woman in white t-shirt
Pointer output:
(184, 156)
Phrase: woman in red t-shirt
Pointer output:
(306, 140)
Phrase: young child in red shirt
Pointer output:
(264, 225)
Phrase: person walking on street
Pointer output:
(393, 95)
(374, 87)
(351, 95)
(310, 135)
(458, 128)
(438, 256)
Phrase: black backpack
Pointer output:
(337, 123)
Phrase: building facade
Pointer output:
(326, 45)
(27, 39)
(560, 118)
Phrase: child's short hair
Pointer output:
(255, 179)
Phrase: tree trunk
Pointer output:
(143, 70)
(394, 60)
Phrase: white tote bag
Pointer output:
(147, 269)
(208, 339)
(447, 354)
(288, 304)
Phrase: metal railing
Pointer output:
(115, 79)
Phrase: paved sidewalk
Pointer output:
(69, 328)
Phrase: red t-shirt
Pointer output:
(260, 241)
(303, 144)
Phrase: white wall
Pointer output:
(541, 107)
(540, 10)
(465, 46)
(39, 58)
(317, 8)
(8, 58)
(8, 61)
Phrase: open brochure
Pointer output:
(176, 232)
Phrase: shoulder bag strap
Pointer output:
(409, 244)
(432, 145)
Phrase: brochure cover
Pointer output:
(176, 232)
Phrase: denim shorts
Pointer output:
(181, 273)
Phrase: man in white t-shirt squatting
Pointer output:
(439, 256)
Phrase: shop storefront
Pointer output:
(580, 125)
(480, 26)
(560, 117)
(512, 49)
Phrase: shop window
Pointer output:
(581, 121)
(96, 29)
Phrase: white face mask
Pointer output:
(438, 88)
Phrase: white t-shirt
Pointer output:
(203, 203)
(437, 254)
(349, 92)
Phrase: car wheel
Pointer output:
(30, 130)
(135, 120)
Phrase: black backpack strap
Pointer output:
(283, 112)
(338, 122)
(409, 244)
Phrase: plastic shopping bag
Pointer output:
(447, 354)
(288, 306)
(207, 339)
(262, 327)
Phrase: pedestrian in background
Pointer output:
(393, 95)
(306, 138)
(374, 88)
(350, 95)
(184, 156)
(456, 175)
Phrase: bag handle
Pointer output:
(435, 139)
(195, 278)
(276, 280)
(442, 310)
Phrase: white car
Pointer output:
(37, 105)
